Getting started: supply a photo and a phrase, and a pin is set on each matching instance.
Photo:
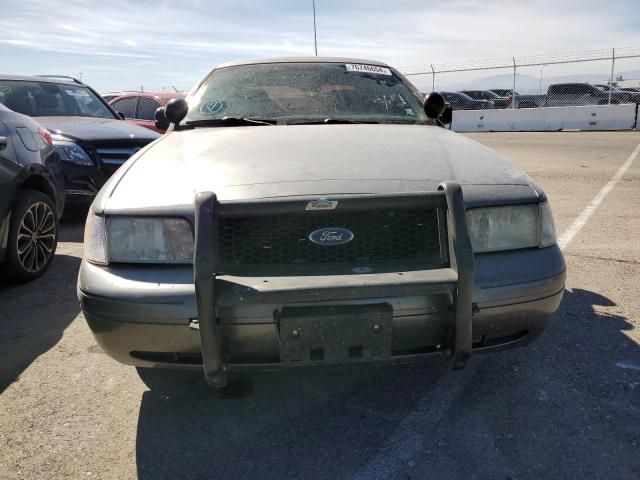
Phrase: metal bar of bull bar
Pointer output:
(207, 264)
(461, 254)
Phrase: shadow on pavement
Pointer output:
(72, 224)
(33, 316)
(559, 407)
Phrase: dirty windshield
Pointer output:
(307, 92)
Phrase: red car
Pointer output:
(139, 108)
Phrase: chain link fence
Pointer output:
(597, 77)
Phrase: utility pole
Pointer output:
(315, 35)
(613, 63)
(513, 93)
(433, 79)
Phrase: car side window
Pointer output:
(126, 106)
(147, 108)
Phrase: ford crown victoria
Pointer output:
(310, 212)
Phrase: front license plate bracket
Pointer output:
(335, 334)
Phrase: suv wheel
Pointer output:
(33, 236)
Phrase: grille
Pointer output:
(379, 235)
(116, 155)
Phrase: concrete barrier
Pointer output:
(592, 117)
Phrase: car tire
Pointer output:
(33, 236)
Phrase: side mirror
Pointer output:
(161, 119)
(121, 115)
(447, 116)
(434, 105)
(175, 110)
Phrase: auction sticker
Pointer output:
(358, 67)
(77, 93)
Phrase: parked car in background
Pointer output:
(498, 101)
(111, 95)
(310, 212)
(573, 94)
(88, 135)
(31, 196)
(140, 108)
(634, 96)
(503, 92)
(460, 101)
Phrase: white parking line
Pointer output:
(628, 366)
(416, 432)
(579, 222)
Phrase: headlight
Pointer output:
(70, 151)
(137, 240)
(149, 240)
(503, 228)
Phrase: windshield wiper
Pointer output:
(329, 121)
(230, 122)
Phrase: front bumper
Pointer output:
(81, 182)
(141, 316)
(145, 315)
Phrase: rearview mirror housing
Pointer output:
(447, 116)
(161, 121)
(434, 105)
(175, 110)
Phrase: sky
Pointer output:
(157, 44)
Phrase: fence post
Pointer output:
(613, 62)
(433, 79)
(513, 92)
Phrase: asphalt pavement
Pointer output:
(567, 406)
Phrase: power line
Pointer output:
(526, 61)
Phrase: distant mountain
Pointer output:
(528, 83)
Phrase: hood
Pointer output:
(90, 129)
(239, 163)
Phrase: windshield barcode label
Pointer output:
(356, 67)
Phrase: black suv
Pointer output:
(31, 196)
(89, 136)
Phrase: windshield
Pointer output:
(299, 92)
(44, 99)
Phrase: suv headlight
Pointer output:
(70, 151)
(122, 239)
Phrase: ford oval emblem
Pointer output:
(331, 236)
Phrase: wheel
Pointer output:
(33, 236)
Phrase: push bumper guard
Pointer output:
(207, 263)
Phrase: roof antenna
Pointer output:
(315, 36)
